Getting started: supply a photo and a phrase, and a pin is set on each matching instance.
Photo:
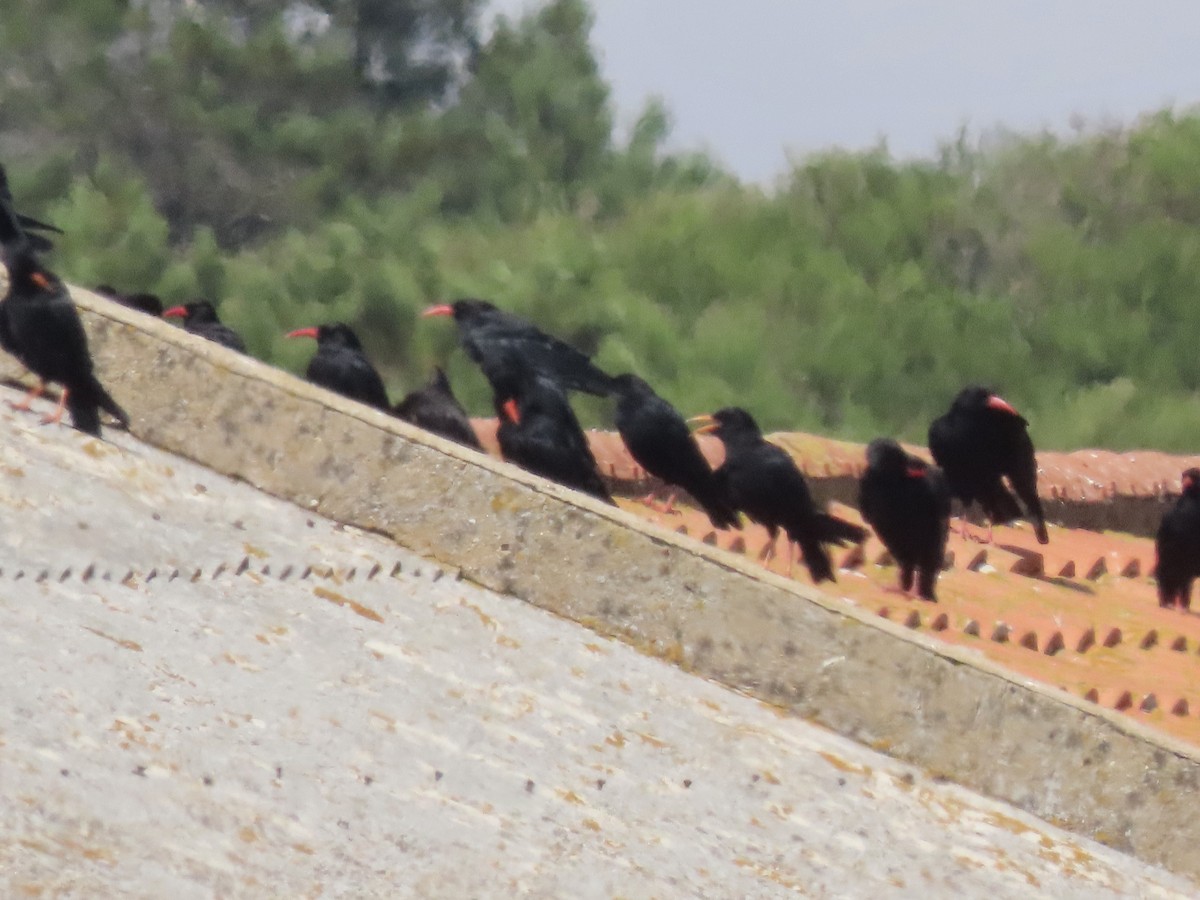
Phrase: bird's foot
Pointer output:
(53, 418)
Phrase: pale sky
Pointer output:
(749, 80)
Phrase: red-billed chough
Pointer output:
(978, 442)
(763, 481)
(658, 438)
(490, 335)
(1177, 545)
(40, 326)
(907, 502)
(141, 301)
(538, 430)
(435, 408)
(200, 318)
(341, 365)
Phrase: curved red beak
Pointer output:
(703, 424)
(175, 312)
(443, 309)
(510, 410)
(995, 402)
(310, 332)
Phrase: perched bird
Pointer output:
(16, 228)
(142, 301)
(200, 318)
(490, 335)
(538, 430)
(341, 365)
(658, 438)
(763, 481)
(1177, 545)
(435, 408)
(907, 502)
(39, 325)
(980, 440)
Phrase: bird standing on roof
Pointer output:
(40, 326)
(490, 335)
(907, 502)
(538, 430)
(1177, 546)
(763, 481)
(658, 438)
(978, 442)
(200, 318)
(341, 365)
(435, 408)
(142, 301)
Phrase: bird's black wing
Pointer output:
(500, 335)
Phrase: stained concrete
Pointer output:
(211, 692)
(935, 706)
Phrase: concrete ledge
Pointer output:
(1083, 768)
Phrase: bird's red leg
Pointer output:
(56, 416)
(27, 401)
(669, 509)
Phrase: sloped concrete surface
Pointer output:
(209, 692)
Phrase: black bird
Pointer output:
(341, 365)
(907, 502)
(490, 336)
(142, 301)
(435, 408)
(763, 481)
(658, 438)
(16, 228)
(1177, 545)
(538, 430)
(200, 318)
(40, 326)
(980, 440)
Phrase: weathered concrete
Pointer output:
(212, 693)
(941, 708)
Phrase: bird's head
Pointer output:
(730, 423)
(1191, 482)
(193, 311)
(461, 310)
(331, 334)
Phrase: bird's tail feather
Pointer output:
(833, 530)
(84, 402)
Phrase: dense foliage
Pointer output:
(304, 163)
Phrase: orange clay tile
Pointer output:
(1080, 613)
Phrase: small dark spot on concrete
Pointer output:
(342, 823)
(309, 523)
(437, 776)
(157, 517)
(201, 489)
(279, 771)
(687, 782)
(84, 526)
(368, 780)
(64, 772)
(841, 782)
(239, 525)
(140, 771)
(908, 778)
(529, 786)
(437, 576)
(600, 782)
(755, 777)
(789, 649)
(208, 780)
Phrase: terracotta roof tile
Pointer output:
(1080, 613)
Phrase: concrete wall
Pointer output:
(708, 611)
